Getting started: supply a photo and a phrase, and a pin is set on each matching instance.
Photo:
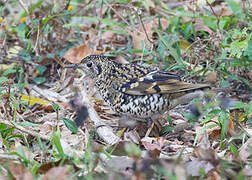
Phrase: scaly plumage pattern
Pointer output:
(134, 90)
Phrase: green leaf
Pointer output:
(236, 8)
(116, 31)
(41, 69)
(9, 71)
(35, 6)
(24, 55)
(234, 149)
(39, 80)
(210, 21)
(112, 23)
(166, 129)
(56, 107)
(133, 150)
(56, 142)
(28, 124)
(3, 79)
(188, 30)
(237, 47)
(45, 20)
(168, 42)
(190, 117)
(87, 18)
(239, 105)
(123, 1)
(21, 27)
(70, 125)
(224, 84)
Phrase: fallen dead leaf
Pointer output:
(59, 173)
(247, 170)
(213, 133)
(223, 12)
(107, 36)
(46, 128)
(153, 143)
(200, 26)
(204, 150)
(122, 164)
(193, 167)
(139, 36)
(75, 55)
(212, 77)
(19, 172)
(122, 60)
(245, 150)
(132, 136)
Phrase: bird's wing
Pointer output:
(158, 82)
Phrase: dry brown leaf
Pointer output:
(59, 173)
(199, 25)
(213, 175)
(3, 177)
(212, 77)
(108, 36)
(247, 170)
(44, 168)
(122, 60)
(46, 128)
(213, 133)
(245, 151)
(132, 136)
(15, 148)
(193, 167)
(153, 143)
(140, 35)
(75, 55)
(223, 12)
(184, 45)
(121, 164)
(233, 117)
(138, 38)
(19, 172)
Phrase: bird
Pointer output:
(136, 91)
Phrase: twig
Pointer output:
(217, 16)
(25, 130)
(122, 18)
(67, 4)
(140, 18)
(23, 6)
(104, 131)
(37, 39)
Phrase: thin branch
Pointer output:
(140, 18)
(25, 129)
(23, 6)
(103, 130)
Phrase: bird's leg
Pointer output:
(150, 124)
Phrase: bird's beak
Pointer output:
(71, 65)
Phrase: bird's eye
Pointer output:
(89, 64)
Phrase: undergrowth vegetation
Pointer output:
(205, 41)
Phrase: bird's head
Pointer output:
(93, 65)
